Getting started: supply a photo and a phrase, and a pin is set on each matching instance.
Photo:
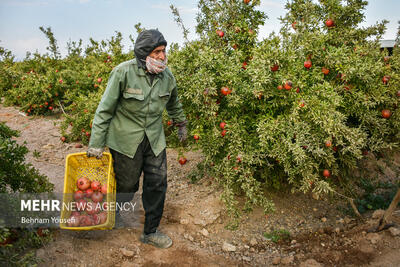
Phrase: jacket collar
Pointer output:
(140, 71)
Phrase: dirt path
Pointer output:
(320, 235)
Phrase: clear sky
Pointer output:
(80, 19)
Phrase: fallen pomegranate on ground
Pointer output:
(182, 161)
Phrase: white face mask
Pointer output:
(154, 66)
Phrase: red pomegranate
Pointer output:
(330, 23)
(75, 213)
(86, 220)
(95, 185)
(97, 196)
(73, 221)
(78, 195)
(83, 183)
(89, 193)
(223, 133)
(92, 208)
(104, 189)
(275, 67)
(225, 90)
(386, 113)
(182, 160)
(326, 173)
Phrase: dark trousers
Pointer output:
(127, 174)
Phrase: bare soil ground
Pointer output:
(194, 217)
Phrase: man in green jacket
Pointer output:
(129, 121)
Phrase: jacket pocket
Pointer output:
(132, 103)
(127, 95)
(164, 95)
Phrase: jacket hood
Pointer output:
(145, 43)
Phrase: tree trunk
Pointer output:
(388, 213)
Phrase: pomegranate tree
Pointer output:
(332, 71)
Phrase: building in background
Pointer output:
(388, 44)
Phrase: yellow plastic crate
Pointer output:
(78, 165)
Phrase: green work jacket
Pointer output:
(132, 107)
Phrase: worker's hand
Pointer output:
(182, 131)
(95, 152)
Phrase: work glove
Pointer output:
(95, 152)
(182, 131)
